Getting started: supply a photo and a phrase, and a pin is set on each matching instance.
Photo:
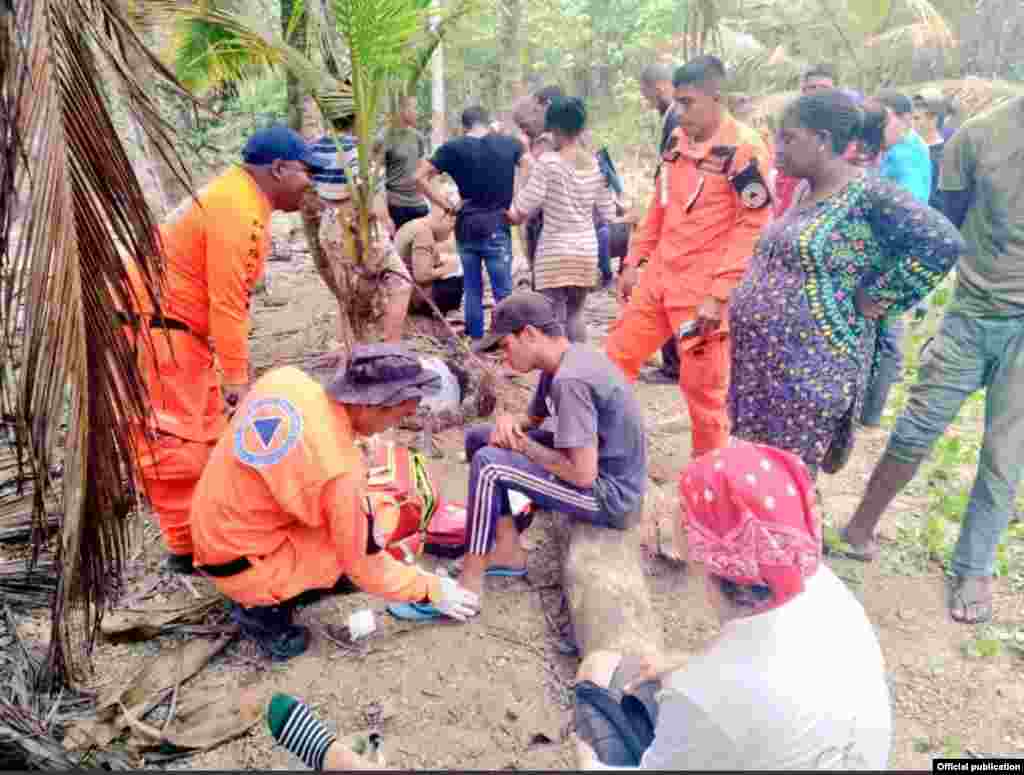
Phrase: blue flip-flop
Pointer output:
(454, 570)
(415, 612)
(505, 572)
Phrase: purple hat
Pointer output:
(383, 375)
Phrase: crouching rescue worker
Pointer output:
(215, 247)
(706, 215)
(282, 508)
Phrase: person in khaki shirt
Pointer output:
(435, 267)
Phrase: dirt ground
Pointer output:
(495, 693)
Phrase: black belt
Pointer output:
(226, 569)
(169, 323)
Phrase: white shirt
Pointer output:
(799, 687)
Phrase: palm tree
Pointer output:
(71, 210)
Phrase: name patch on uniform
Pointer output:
(270, 429)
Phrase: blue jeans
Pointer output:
(604, 259)
(967, 355)
(496, 253)
(890, 370)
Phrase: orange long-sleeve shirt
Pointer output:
(285, 487)
(215, 250)
(698, 233)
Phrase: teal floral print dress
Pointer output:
(802, 355)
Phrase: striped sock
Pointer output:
(295, 727)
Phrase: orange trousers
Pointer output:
(187, 419)
(169, 477)
(647, 321)
(306, 560)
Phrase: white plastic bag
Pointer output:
(449, 398)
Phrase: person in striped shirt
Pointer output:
(567, 185)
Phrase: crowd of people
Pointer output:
(773, 276)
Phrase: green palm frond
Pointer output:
(421, 48)
(69, 377)
(207, 55)
(265, 47)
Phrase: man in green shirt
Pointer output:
(979, 346)
(403, 147)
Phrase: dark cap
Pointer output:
(383, 375)
(895, 101)
(265, 146)
(512, 315)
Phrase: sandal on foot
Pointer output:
(454, 568)
(967, 595)
(418, 612)
(415, 612)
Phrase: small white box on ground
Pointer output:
(361, 624)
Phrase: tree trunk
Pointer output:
(438, 99)
(297, 39)
(510, 48)
(358, 286)
(604, 584)
(167, 185)
(312, 119)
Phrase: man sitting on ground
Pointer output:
(282, 508)
(766, 694)
(592, 466)
(438, 274)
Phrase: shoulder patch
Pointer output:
(751, 187)
(269, 430)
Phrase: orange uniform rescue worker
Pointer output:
(215, 247)
(709, 206)
(282, 509)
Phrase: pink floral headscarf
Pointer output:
(753, 518)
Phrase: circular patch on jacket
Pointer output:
(754, 195)
(270, 429)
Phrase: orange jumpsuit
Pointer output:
(286, 488)
(215, 251)
(697, 237)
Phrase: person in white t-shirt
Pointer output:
(766, 694)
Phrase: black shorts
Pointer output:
(447, 294)
(619, 727)
(402, 215)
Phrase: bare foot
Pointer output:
(971, 599)
(860, 548)
(511, 557)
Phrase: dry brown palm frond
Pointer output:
(69, 376)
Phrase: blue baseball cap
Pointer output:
(265, 146)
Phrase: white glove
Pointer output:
(456, 601)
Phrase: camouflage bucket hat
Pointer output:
(383, 375)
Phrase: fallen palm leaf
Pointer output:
(32, 723)
(27, 585)
(148, 623)
(144, 691)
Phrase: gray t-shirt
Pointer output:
(403, 149)
(591, 403)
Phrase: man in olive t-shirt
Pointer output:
(980, 345)
(403, 147)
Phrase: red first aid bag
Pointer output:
(402, 473)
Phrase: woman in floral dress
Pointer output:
(803, 318)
